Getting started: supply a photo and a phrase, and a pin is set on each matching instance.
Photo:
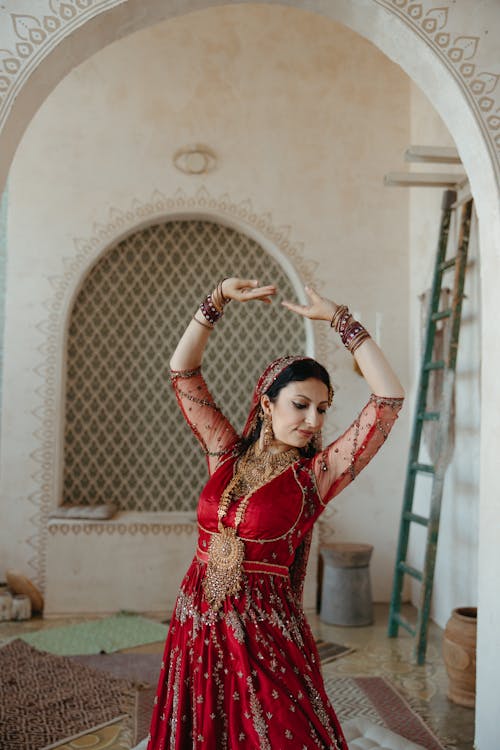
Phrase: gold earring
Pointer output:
(267, 425)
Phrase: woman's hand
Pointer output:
(244, 290)
(319, 308)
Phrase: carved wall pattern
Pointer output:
(114, 527)
(28, 35)
(86, 252)
(459, 52)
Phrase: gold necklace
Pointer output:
(226, 550)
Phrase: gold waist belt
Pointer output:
(252, 566)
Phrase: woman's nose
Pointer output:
(313, 418)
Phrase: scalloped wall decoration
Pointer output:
(113, 527)
(458, 50)
(30, 30)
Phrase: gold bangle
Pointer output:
(358, 340)
(218, 298)
(337, 315)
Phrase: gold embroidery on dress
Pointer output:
(226, 550)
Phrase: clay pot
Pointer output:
(459, 652)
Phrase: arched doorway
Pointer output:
(396, 34)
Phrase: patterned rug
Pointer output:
(142, 669)
(45, 699)
(98, 636)
(377, 700)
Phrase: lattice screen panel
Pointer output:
(125, 438)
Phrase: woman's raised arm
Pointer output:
(338, 464)
(372, 362)
(188, 354)
(213, 431)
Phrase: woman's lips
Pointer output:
(306, 433)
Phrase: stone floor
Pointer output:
(375, 654)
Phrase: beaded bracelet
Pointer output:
(341, 310)
(209, 311)
(354, 336)
(212, 307)
(351, 331)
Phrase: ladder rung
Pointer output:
(413, 572)
(439, 364)
(425, 468)
(422, 520)
(429, 416)
(404, 623)
(447, 264)
(441, 315)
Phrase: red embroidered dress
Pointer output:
(248, 675)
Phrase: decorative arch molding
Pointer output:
(120, 223)
(43, 41)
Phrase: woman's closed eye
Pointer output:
(298, 405)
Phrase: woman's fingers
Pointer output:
(294, 307)
(313, 294)
(319, 308)
(244, 290)
(261, 292)
(245, 283)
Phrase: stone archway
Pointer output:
(445, 51)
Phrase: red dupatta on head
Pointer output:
(270, 374)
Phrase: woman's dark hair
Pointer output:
(302, 369)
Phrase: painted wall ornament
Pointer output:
(195, 159)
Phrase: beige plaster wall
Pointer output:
(303, 124)
(457, 559)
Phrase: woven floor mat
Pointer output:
(45, 699)
(105, 635)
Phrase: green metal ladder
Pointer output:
(437, 469)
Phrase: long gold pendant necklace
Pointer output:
(226, 550)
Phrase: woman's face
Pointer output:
(298, 412)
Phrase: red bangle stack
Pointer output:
(351, 331)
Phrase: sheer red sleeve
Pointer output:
(338, 464)
(215, 433)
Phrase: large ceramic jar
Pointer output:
(459, 652)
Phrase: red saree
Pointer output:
(248, 675)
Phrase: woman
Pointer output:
(240, 668)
